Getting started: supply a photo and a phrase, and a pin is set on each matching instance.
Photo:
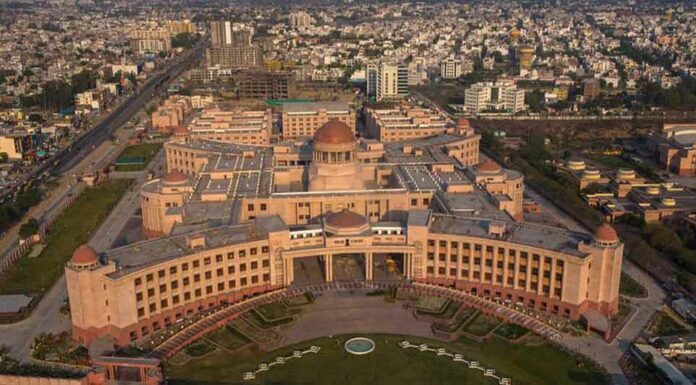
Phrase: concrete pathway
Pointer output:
(336, 313)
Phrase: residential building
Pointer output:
(387, 80)
(498, 96)
(303, 119)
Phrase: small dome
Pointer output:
(606, 233)
(345, 219)
(175, 176)
(488, 166)
(84, 255)
(463, 123)
(334, 132)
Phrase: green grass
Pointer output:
(199, 348)
(276, 310)
(511, 331)
(391, 365)
(631, 288)
(228, 337)
(74, 228)
(665, 326)
(482, 324)
(145, 150)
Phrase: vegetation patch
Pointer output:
(199, 348)
(74, 228)
(389, 364)
(631, 288)
(143, 151)
(228, 338)
(511, 331)
(482, 324)
(665, 326)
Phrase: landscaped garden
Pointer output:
(538, 363)
(74, 228)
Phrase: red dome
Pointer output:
(84, 255)
(345, 219)
(488, 166)
(175, 176)
(606, 233)
(334, 132)
(463, 123)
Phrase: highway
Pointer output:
(124, 112)
(71, 156)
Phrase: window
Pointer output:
(250, 207)
(175, 299)
(254, 265)
(230, 255)
(219, 272)
(141, 312)
(150, 292)
(163, 288)
(172, 270)
(160, 274)
(184, 267)
(264, 249)
(243, 282)
(266, 263)
(196, 263)
(221, 286)
(208, 275)
(138, 281)
(174, 284)
(218, 258)
(153, 307)
(164, 304)
(242, 267)
(138, 296)
(149, 277)
(206, 261)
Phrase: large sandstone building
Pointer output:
(230, 221)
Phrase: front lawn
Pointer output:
(390, 364)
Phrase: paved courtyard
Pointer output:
(343, 313)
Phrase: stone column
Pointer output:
(328, 267)
(408, 265)
(289, 270)
(368, 266)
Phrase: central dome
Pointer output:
(334, 132)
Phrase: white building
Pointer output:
(498, 96)
(387, 80)
(299, 19)
(451, 68)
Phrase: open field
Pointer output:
(390, 364)
(72, 229)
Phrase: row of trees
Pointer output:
(12, 212)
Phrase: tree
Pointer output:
(29, 228)
(4, 157)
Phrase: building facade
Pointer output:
(238, 220)
(498, 96)
(303, 119)
(387, 80)
(232, 126)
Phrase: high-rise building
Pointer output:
(417, 72)
(498, 96)
(387, 80)
(299, 19)
(231, 46)
(263, 85)
(234, 56)
(224, 33)
(151, 40)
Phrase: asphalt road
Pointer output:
(124, 112)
